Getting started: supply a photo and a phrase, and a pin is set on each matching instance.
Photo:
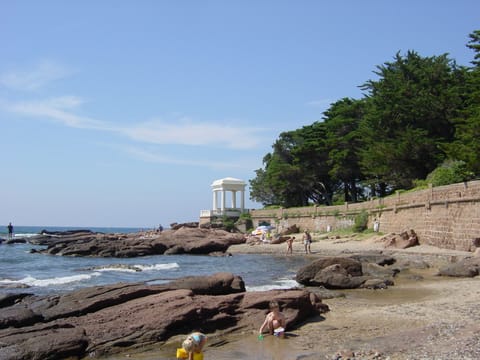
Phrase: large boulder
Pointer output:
(336, 277)
(468, 267)
(111, 319)
(307, 273)
(349, 272)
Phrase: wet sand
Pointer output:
(422, 317)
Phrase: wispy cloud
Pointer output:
(153, 157)
(174, 130)
(43, 73)
(185, 131)
(180, 131)
(56, 109)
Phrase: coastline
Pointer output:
(422, 316)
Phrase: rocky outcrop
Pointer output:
(348, 272)
(181, 240)
(115, 318)
(403, 240)
(15, 240)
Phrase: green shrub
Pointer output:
(360, 221)
(245, 218)
(450, 172)
(228, 223)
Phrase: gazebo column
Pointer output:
(223, 201)
(215, 201)
(234, 199)
(242, 200)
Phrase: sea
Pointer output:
(28, 272)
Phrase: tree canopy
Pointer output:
(418, 113)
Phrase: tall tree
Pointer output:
(411, 108)
(474, 44)
(344, 142)
(311, 154)
(296, 172)
(466, 146)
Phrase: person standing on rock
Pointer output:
(307, 241)
(10, 231)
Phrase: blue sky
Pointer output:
(122, 113)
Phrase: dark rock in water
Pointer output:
(114, 266)
(116, 318)
(16, 240)
(372, 269)
(469, 267)
(184, 240)
(14, 286)
(377, 284)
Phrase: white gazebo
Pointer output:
(220, 189)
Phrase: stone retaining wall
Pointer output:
(444, 216)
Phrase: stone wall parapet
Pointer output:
(445, 216)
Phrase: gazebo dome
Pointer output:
(229, 183)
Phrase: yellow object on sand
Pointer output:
(182, 354)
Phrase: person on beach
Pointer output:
(274, 321)
(194, 343)
(290, 245)
(307, 241)
(10, 231)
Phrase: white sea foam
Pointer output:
(118, 269)
(156, 267)
(136, 268)
(31, 281)
(279, 284)
(25, 235)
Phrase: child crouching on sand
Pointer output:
(274, 321)
(194, 344)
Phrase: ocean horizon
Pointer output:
(31, 230)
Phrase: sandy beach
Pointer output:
(422, 316)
